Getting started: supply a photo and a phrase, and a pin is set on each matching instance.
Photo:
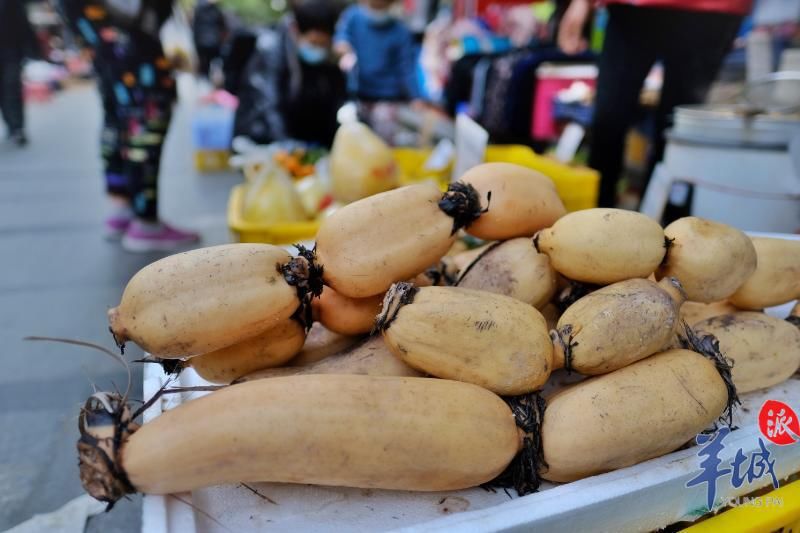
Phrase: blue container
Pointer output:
(574, 112)
(212, 128)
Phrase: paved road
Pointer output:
(58, 277)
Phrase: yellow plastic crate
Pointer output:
(779, 509)
(284, 233)
(411, 162)
(211, 160)
(577, 187)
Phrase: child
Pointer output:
(379, 52)
(138, 90)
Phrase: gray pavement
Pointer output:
(57, 278)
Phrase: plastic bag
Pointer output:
(313, 195)
(271, 197)
(361, 164)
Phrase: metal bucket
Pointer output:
(733, 125)
(745, 167)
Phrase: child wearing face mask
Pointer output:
(292, 88)
(378, 51)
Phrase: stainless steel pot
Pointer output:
(734, 125)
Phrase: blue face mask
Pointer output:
(379, 17)
(312, 55)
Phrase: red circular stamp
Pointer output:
(778, 423)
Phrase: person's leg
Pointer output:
(148, 123)
(153, 97)
(627, 56)
(11, 96)
(143, 161)
(111, 146)
(692, 58)
(691, 64)
(203, 62)
(2, 94)
(88, 20)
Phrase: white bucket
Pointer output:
(751, 189)
(745, 170)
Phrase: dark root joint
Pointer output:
(461, 202)
(708, 347)
(563, 345)
(119, 342)
(668, 244)
(105, 423)
(439, 276)
(397, 296)
(522, 474)
(572, 293)
(169, 366)
(305, 275)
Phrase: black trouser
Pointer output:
(11, 105)
(690, 44)
(205, 55)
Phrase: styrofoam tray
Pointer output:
(644, 497)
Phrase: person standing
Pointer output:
(210, 29)
(689, 37)
(291, 88)
(17, 41)
(137, 87)
(380, 53)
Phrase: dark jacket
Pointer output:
(17, 39)
(281, 98)
(387, 57)
(209, 26)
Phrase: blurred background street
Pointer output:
(58, 276)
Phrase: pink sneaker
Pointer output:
(156, 237)
(116, 226)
